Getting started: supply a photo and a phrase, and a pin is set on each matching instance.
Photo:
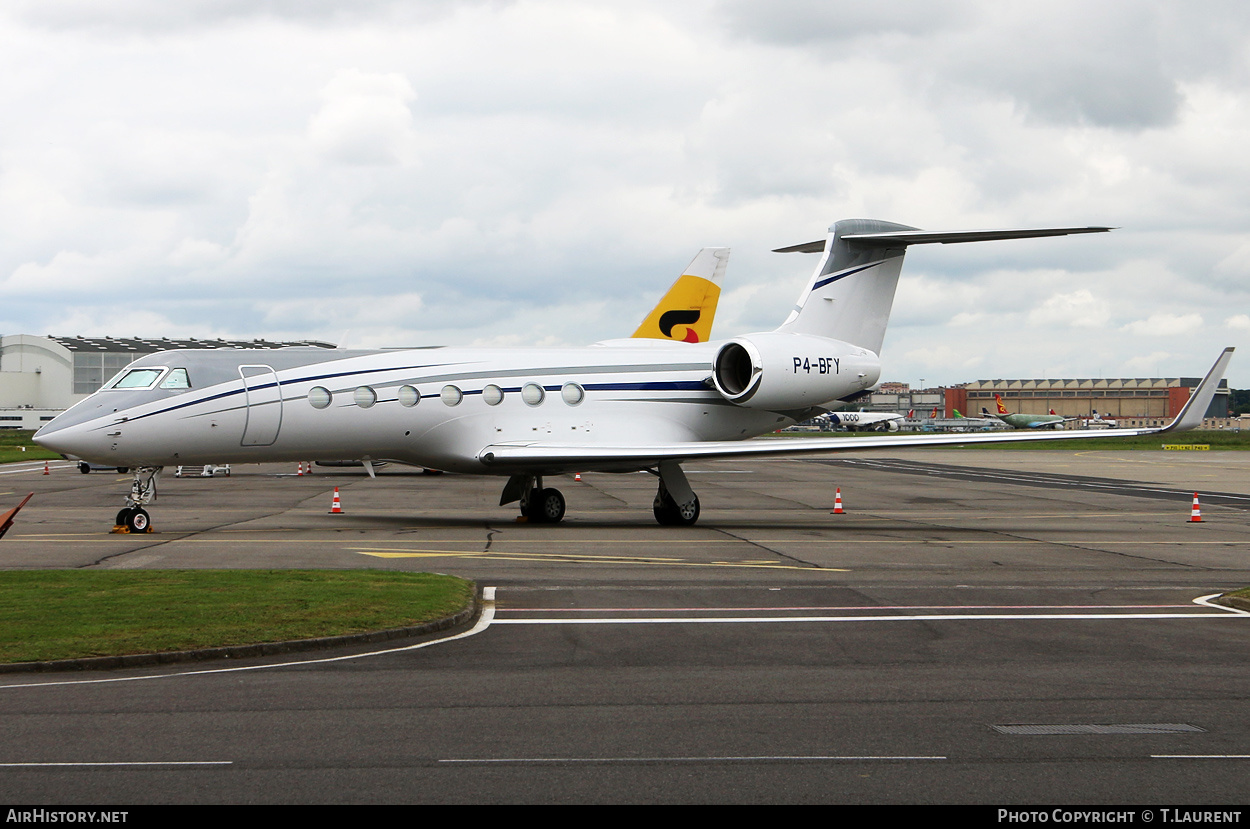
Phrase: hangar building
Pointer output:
(1132, 402)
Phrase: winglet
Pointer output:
(1196, 407)
(6, 518)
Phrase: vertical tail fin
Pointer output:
(850, 295)
(852, 290)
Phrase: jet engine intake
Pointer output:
(781, 372)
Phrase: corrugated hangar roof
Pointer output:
(145, 345)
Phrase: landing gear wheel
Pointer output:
(84, 467)
(123, 516)
(670, 514)
(688, 514)
(138, 521)
(551, 505)
(545, 506)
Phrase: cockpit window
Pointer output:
(138, 378)
(177, 379)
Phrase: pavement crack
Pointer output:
(770, 550)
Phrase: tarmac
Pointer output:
(990, 627)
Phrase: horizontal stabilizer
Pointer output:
(944, 237)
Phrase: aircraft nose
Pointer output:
(52, 436)
(68, 439)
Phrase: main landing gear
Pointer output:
(133, 518)
(538, 505)
(672, 514)
(675, 503)
(543, 506)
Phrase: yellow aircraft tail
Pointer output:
(686, 312)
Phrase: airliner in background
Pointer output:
(863, 421)
(1025, 421)
(526, 414)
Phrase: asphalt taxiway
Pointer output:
(978, 627)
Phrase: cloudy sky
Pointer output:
(386, 173)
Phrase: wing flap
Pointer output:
(589, 455)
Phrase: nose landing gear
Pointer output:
(133, 518)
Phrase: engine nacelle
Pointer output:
(780, 372)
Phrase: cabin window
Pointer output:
(532, 394)
(409, 396)
(319, 397)
(177, 379)
(493, 395)
(365, 397)
(451, 395)
(138, 378)
(572, 393)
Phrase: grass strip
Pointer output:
(11, 443)
(66, 614)
(1218, 441)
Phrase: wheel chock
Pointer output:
(122, 529)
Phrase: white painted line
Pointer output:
(1200, 756)
(728, 759)
(935, 617)
(134, 562)
(776, 609)
(138, 763)
(1206, 601)
(34, 469)
(483, 622)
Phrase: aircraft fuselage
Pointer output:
(435, 407)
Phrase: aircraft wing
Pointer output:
(570, 456)
(582, 456)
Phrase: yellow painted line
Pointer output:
(943, 541)
(422, 554)
(492, 554)
(426, 553)
(570, 559)
(104, 537)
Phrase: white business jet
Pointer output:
(529, 413)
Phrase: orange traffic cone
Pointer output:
(337, 507)
(45, 468)
(837, 501)
(577, 476)
(300, 473)
(1195, 515)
